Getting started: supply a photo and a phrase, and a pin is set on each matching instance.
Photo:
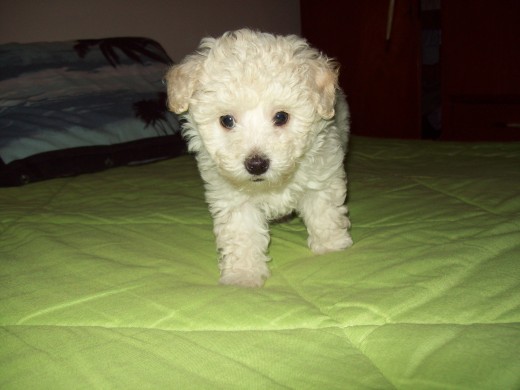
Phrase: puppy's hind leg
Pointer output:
(242, 239)
(326, 219)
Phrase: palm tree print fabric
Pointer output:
(101, 97)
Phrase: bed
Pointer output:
(109, 271)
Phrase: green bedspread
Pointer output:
(110, 281)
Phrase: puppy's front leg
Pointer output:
(242, 239)
(326, 219)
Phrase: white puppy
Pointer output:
(269, 127)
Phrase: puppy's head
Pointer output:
(254, 102)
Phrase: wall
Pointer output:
(177, 24)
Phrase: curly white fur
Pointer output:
(250, 77)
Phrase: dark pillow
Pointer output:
(81, 106)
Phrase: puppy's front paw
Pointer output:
(330, 241)
(252, 277)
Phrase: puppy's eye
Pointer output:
(280, 118)
(227, 121)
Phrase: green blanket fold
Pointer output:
(109, 280)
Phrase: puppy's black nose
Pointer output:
(256, 165)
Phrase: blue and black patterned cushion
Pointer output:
(80, 106)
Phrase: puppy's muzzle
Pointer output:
(257, 164)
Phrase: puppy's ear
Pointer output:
(181, 82)
(326, 82)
